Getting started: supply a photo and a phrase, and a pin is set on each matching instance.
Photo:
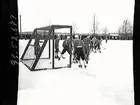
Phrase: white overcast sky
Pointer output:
(109, 13)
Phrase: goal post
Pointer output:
(41, 56)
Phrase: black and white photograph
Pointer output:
(75, 52)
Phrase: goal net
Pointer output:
(40, 52)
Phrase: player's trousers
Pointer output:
(86, 50)
(36, 50)
(97, 47)
(66, 48)
(80, 54)
(56, 49)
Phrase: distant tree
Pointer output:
(74, 28)
(95, 26)
(126, 28)
(49, 22)
(105, 32)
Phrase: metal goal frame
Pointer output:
(51, 35)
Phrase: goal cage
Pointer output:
(39, 53)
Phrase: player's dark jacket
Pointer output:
(66, 43)
(77, 43)
(86, 41)
(36, 43)
(96, 42)
(78, 46)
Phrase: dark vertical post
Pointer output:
(49, 49)
(53, 49)
(70, 45)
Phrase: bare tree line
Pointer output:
(125, 28)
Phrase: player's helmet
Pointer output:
(88, 36)
(76, 36)
(58, 36)
(68, 37)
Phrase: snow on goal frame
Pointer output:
(39, 53)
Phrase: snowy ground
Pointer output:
(108, 80)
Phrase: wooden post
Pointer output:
(53, 48)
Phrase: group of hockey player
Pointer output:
(80, 49)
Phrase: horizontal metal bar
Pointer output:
(35, 58)
(51, 68)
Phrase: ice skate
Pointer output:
(80, 66)
(86, 61)
(85, 66)
(58, 58)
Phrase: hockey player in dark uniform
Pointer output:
(57, 46)
(91, 46)
(66, 47)
(106, 39)
(74, 53)
(86, 47)
(37, 45)
(78, 46)
(94, 42)
(98, 45)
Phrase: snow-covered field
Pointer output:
(108, 80)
